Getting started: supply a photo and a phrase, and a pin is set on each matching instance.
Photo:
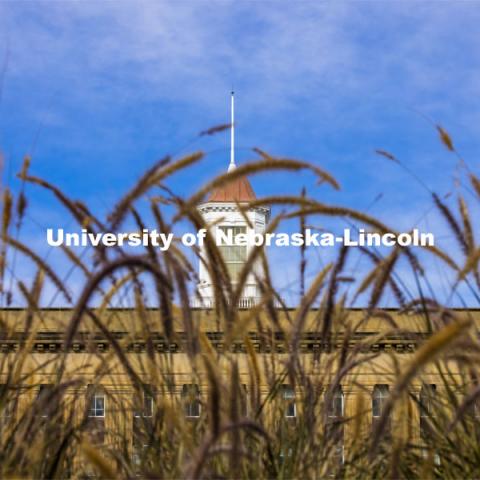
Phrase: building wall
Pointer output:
(170, 366)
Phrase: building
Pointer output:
(118, 378)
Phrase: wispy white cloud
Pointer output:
(276, 51)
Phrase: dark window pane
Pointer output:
(427, 396)
(191, 400)
(288, 395)
(335, 403)
(379, 399)
(48, 401)
(427, 412)
(9, 405)
(143, 403)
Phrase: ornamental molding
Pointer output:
(231, 207)
(273, 343)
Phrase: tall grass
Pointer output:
(269, 378)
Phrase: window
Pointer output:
(8, 409)
(476, 409)
(7, 412)
(427, 413)
(474, 414)
(191, 400)
(234, 255)
(285, 454)
(97, 405)
(379, 399)
(335, 403)
(334, 430)
(244, 400)
(144, 405)
(142, 423)
(427, 398)
(47, 400)
(96, 414)
(288, 396)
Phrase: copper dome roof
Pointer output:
(238, 190)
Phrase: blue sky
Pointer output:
(97, 91)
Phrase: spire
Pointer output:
(238, 190)
(232, 165)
